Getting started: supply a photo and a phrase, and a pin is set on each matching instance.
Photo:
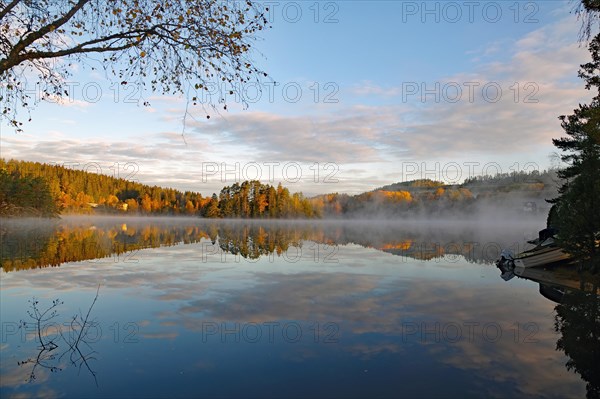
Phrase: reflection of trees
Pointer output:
(79, 350)
(411, 241)
(424, 241)
(46, 244)
(577, 319)
(253, 241)
(53, 243)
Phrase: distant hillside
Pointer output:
(412, 185)
(500, 195)
(546, 181)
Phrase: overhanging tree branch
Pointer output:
(8, 7)
(33, 36)
(169, 47)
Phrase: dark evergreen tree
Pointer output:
(25, 195)
(576, 211)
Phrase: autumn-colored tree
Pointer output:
(112, 201)
(212, 208)
(132, 205)
(190, 208)
(69, 188)
(146, 204)
(256, 200)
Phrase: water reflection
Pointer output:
(576, 317)
(41, 243)
(50, 243)
(402, 306)
(73, 337)
(577, 320)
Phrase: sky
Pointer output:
(364, 94)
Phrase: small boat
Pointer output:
(544, 253)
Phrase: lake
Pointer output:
(165, 307)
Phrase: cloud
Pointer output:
(273, 137)
(504, 106)
(370, 132)
(66, 101)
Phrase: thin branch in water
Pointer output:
(79, 324)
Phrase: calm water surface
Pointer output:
(186, 308)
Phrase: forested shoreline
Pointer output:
(37, 189)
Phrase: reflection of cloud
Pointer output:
(43, 393)
(163, 335)
(134, 277)
(537, 361)
(143, 323)
(366, 304)
(17, 376)
(370, 295)
(372, 350)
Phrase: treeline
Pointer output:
(25, 196)
(517, 191)
(78, 191)
(252, 199)
(38, 189)
(399, 203)
(514, 181)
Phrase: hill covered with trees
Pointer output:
(510, 193)
(37, 189)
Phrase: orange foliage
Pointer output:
(402, 245)
(396, 196)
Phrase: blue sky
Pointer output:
(369, 93)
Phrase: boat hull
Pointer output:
(540, 257)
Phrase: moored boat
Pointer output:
(544, 254)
